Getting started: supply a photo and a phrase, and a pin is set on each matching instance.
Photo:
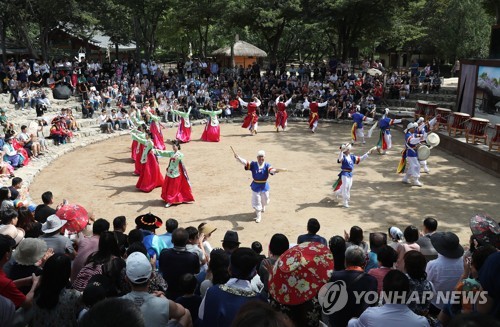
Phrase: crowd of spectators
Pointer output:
(205, 85)
(183, 276)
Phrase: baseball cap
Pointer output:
(138, 268)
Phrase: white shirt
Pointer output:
(444, 273)
(389, 315)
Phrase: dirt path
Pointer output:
(100, 178)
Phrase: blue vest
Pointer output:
(348, 165)
(411, 148)
(358, 119)
(260, 176)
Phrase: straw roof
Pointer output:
(241, 48)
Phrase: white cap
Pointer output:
(411, 125)
(386, 110)
(261, 153)
(358, 107)
(396, 233)
(138, 268)
(346, 147)
(420, 120)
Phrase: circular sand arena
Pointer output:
(99, 177)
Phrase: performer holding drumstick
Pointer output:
(260, 187)
(347, 160)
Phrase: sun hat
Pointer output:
(447, 244)
(148, 221)
(261, 153)
(396, 233)
(231, 236)
(10, 230)
(29, 251)
(208, 229)
(300, 272)
(138, 268)
(52, 224)
(485, 229)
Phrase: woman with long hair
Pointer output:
(26, 221)
(55, 304)
(176, 188)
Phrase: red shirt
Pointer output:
(9, 290)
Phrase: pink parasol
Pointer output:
(76, 215)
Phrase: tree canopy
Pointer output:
(288, 30)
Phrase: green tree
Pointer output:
(465, 34)
(356, 20)
(267, 18)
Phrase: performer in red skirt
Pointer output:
(184, 131)
(251, 119)
(313, 113)
(155, 128)
(135, 147)
(281, 114)
(176, 188)
(212, 128)
(150, 175)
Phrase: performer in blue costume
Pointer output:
(424, 128)
(342, 187)
(410, 156)
(385, 138)
(260, 187)
(357, 130)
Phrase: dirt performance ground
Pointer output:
(99, 177)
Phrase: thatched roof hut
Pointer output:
(244, 54)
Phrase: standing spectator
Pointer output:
(445, 271)
(176, 262)
(356, 281)
(313, 227)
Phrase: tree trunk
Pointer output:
(3, 37)
(138, 39)
(44, 43)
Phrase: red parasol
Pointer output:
(76, 215)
